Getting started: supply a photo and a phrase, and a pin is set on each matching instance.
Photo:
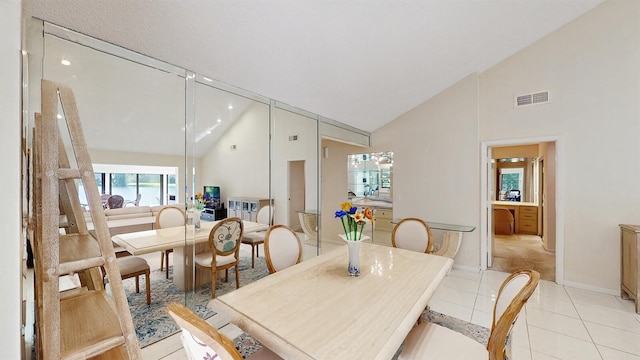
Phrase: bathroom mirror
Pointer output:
(370, 175)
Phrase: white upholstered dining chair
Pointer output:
(412, 234)
(431, 341)
(201, 340)
(264, 216)
(167, 217)
(224, 245)
(282, 248)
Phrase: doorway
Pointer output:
(296, 192)
(534, 238)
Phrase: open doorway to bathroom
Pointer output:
(522, 217)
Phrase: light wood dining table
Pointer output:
(315, 310)
(181, 239)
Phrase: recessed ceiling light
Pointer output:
(59, 116)
(207, 79)
(230, 107)
(65, 62)
(219, 120)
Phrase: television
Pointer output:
(211, 196)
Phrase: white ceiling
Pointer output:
(362, 63)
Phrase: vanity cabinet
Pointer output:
(245, 207)
(629, 267)
(383, 219)
(527, 222)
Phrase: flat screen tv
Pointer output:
(211, 195)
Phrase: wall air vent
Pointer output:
(531, 99)
(234, 147)
(293, 138)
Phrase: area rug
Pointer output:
(152, 322)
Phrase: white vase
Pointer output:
(196, 219)
(354, 253)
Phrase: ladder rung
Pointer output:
(68, 174)
(78, 265)
(95, 349)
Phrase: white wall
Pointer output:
(10, 181)
(435, 162)
(244, 171)
(590, 66)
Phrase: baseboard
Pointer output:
(466, 268)
(592, 288)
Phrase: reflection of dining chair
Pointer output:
(203, 341)
(412, 234)
(224, 245)
(135, 202)
(309, 224)
(282, 248)
(134, 266)
(115, 202)
(104, 198)
(167, 217)
(431, 341)
(264, 216)
(503, 222)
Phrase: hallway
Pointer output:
(516, 252)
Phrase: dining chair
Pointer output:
(135, 202)
(431, 341)
(167, 217)
(224, 245)
(201, 340)
(264, 216)
(133, 267)
(115, 202)
(412, 234)
(282, 248)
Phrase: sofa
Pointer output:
(146, 214)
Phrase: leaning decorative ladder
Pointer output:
(87, 321)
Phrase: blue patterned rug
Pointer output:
(152, 323)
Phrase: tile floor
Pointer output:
(557, 322)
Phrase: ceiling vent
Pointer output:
(531, 99)
(293, 138)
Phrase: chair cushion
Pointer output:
(132, 265)
(431, 341)
(204, 259)
(254, 237)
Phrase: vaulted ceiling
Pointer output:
(362, 63)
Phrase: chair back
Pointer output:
(170, 216)
(513, 294)
(115, 202)
(265, 215)
(412, 234)
(282, 248)
(199, 339)
(225, 237)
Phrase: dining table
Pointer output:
(316, 310)
(182, 240)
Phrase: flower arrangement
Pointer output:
(353, 220)
(199, 202)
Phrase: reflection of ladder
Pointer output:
(84, 322)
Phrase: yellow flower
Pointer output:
(346, 206)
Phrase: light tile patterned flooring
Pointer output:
(557, 322)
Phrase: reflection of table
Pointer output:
(181, 239)
(309, 223)
(315, 310)
(452, 238)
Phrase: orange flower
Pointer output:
(368, 214)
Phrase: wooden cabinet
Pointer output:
(383, 219)
(629, 250)
(527, 220)
(244, 207)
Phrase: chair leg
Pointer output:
(237, 277)
(137, 284)
(214, 277)
(167, 264)
(226, 275)
(161, 260)
(147, 277)
(253, 247)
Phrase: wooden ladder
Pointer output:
(85, 322)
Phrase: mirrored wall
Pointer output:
(151, 124)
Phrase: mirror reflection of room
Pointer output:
(370, 185)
